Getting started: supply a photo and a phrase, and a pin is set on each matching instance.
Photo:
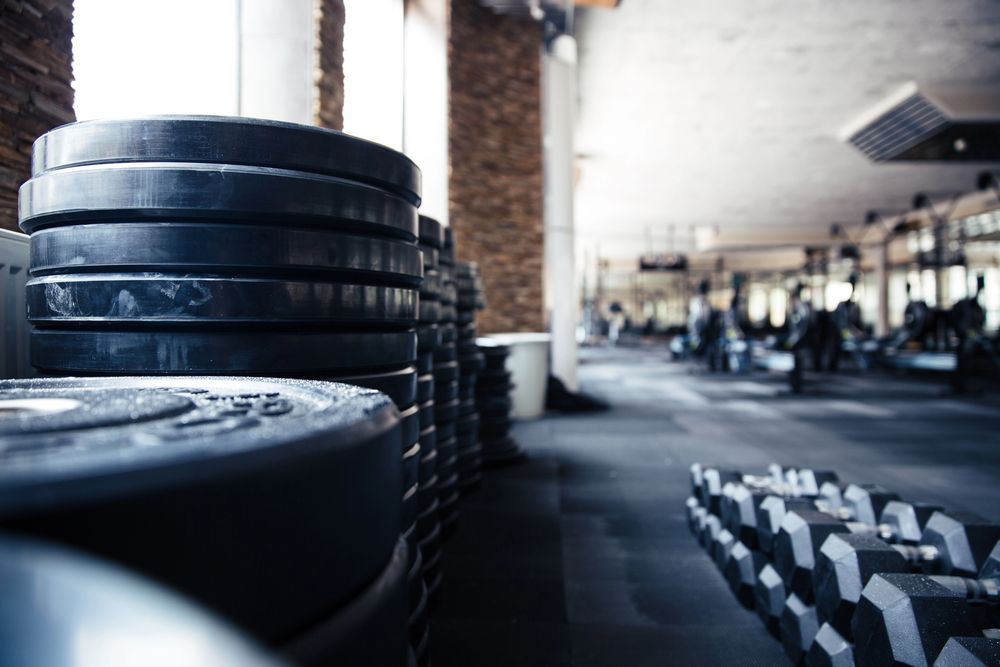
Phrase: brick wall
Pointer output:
(35, 92)
(330, 64)
(495, 153)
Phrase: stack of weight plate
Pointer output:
(446, 394)
(428, 525)
(493, 387)
(227, 246)
(470, 361)
(264, 500)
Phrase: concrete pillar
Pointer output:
(558, 107)
(277, 59)
(425, 109)
(882, 289)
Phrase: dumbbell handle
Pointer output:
(983, 591)
(919, 554)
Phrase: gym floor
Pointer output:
(581, 554)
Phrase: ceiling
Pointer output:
(720, 118)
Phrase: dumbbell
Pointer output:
(712, 480)
(741, 569)
(829, 649)
(908, 618)
(956, 543)
(803, 531)
(797, 628)
(971, 651)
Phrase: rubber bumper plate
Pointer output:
(241, 493)
(221, 352)
(399, 385)
(370, 630)
(238, 141)
(156, 300)
(134, 191)
(64, 609)
(173, 246)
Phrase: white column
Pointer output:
(425, 117)
(277, 59)
(558, 106)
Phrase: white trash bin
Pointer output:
(528, 364)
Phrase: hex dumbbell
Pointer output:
(908, 618)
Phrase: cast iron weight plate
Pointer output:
(204, 301)
(239, 141)
(217, 192)
(241, 493)
(235, 248)
(309, 353)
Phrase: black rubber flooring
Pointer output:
(581, 555)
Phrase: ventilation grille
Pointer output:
(902, 127)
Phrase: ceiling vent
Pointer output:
(941, 124)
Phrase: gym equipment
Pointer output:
(970, 652)
(54, 599)
(493, 401)
(245, 249)
(305, 353)
(239, 141)
(798, 627)
(769, 598)
(829, 649)
(954, 543)
(908, 618)
(182, 477)
(152, 301)
(219, 192)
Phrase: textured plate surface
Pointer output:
(399, 385)
(230, 249)
(246, 141)
(210, 191)
(221, 352)
(182, 478)
(156, 300)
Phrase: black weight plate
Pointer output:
(157, 300)
(431, 232)
(445, 433)
(428, 507)
(448, 313)
(446, 453)
(494, 375)
(467, 406)
(411, 468)
(430, 287)
(409, 425)
(230, 249)
(445, 374)
(241, 141)
(429, 312)
(210, 191)
(221, 352)
(461, 316)
(409, 508)
(428, 339)
(414, 575)
(399, 385)
(468, 423)
(445, 411)
(471, 365)
(430, 254)
(425, 363)
(467, 334)
(494, 403)
(444, 353)
(63, 609)
(425, 388)
(417, 621)
(369, 630)
(466, 393)
(428, 452)
(447, 332)
(427, 414)
(182, 477)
